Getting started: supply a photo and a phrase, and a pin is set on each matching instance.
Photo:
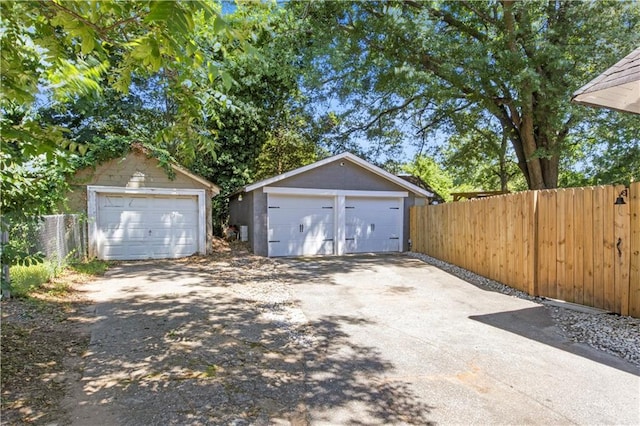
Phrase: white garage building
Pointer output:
(335, 206)
(136, 210)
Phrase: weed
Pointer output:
(25, 279)
(94, 267)
(211, 371)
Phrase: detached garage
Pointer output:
(335, 206)
(136, 210)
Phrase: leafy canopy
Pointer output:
(408, 69)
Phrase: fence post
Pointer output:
(532, 231)
(622, 256)
(634, 249)
(5, 278)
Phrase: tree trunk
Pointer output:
(504, 173)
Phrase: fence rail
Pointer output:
(572, 244)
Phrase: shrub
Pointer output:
(27, 278)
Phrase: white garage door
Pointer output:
(300, 225)
(372, 224)
(146, 226)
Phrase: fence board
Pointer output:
(634, 250)
(543, 244)
(509, 230)
(531, 241)
(556, 243)
(587, 260)
(598, 246)
(553, 243)
(621, 237)
(608, 249)
(578, 247)
(561, 231)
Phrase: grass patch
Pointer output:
(94, 267)
(25, 279)
(28, 279)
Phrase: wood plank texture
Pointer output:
(634, 249)
(572, 244)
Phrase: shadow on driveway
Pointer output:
(536, 324)
(198, 354)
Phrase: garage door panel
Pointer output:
(300, 225)
(301, 203)
(305, 216)
(300, 248)
(372, 225)
(146, 227)
(372, 245)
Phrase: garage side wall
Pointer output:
(260, 245)
(408, 202)
(241, 213)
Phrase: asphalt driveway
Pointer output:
(349, 340)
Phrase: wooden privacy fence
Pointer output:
(572, 244)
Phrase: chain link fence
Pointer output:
(58, 238)
(62, 237)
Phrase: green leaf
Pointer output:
(219, 24)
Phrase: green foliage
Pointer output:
(111, 147)
(74, 51)
(26, 278)
(94, 267)
(510, 67)
(261, 110)
(479, 157)
(432, 174)
(284, 150)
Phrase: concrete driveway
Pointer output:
(458, 353)
(350, 340)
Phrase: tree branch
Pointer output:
(381, 114)
(102, 31)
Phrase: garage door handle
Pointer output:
(349, 239)
(373, 227)
(394, 238)
(394, 208)
(274, 241)
(301, 228)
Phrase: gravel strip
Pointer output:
(615, 334)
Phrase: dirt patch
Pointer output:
(44, 337)
(38, 335)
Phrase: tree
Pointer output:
(263, 114)
(517, 62)
(432, 174)
(73, 52)
(283, 151)
(478, 154)
(69, 51)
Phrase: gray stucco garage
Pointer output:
(335, 206)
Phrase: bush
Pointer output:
(27, 278)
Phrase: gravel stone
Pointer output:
(612, 333)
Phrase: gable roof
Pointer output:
(212, 186)
(344, 156)
(616, 88)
